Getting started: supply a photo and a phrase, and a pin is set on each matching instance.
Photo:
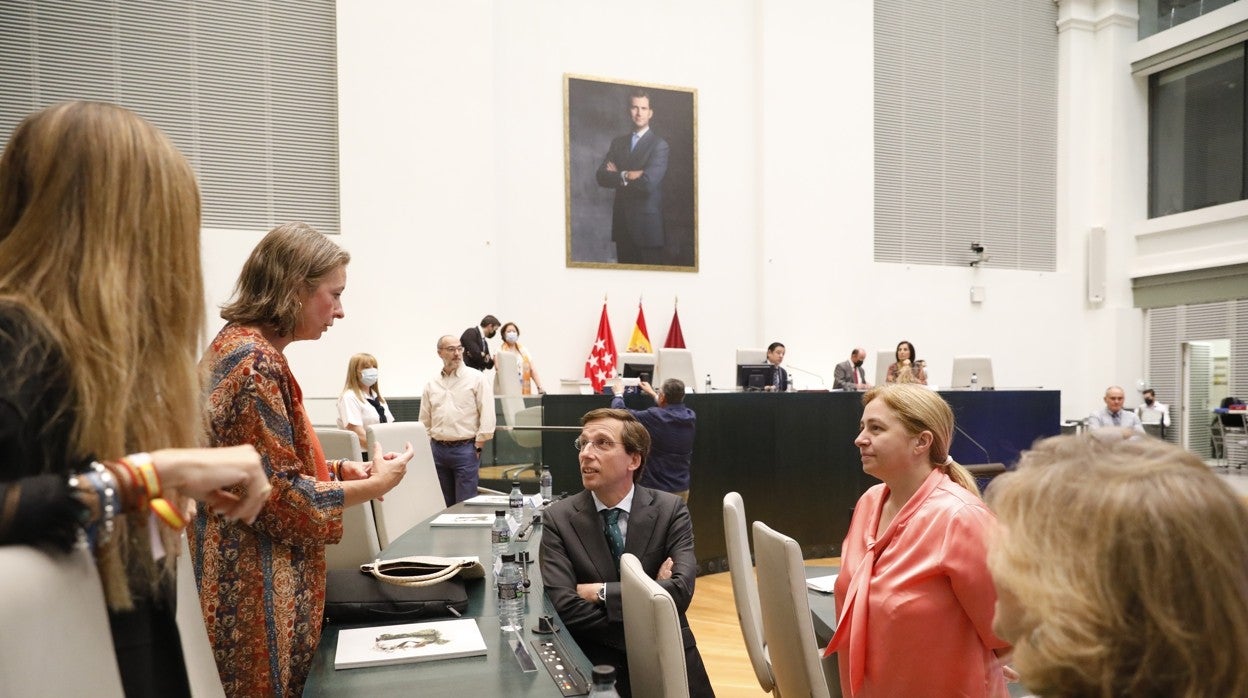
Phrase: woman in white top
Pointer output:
(361, 403)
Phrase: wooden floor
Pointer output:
(713, 618)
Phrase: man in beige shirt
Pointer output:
(457, 409)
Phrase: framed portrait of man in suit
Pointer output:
(630, 164)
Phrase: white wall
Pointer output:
(453, 202)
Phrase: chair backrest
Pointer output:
(744, 588)
(528, 417)
(751, 356)
(656, 650)
(788, 630)
(508, 389)
(56, 639)
(883, 359)
(419, 495)
(201, 667)
(359, 542)
(675, 363)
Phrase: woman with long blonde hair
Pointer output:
(101, 310)
(1121, 569)
(914, 599)
(361, 403)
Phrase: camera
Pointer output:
(977, 248)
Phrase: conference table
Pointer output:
(498, 672)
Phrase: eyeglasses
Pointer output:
(454, 350)
(598, 444)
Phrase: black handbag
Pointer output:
(402, 589)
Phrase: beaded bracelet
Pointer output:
(105, 486)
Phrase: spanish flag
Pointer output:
(640, 341)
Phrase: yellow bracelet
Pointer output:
(168, 513)
(142, 464)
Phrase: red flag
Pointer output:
(675, 338)
(600, 365)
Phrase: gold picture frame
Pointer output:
(620, 215)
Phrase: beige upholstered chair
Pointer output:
(201, 667)
(359, 543)
(788, 631)
(745, 589)
(675, 363)
(419, 495)
(656, 650)
(55, 639)
(751, 356)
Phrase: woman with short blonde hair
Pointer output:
(1122, 570)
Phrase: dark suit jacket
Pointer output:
(638, 212)
(843, 376)
(784, 377)
(574, 551)
(476, 351)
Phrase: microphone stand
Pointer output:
(988, 467)
(809, 373)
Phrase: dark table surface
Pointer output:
(497, 673)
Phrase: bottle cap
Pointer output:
(604, 672)
(509, 557)
(500, 512)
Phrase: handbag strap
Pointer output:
(420, 580)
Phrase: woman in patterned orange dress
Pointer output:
(262, 585)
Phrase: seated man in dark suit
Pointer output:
(671, 426)
(584, 536)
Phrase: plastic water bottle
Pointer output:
(515, 503)
(510, 595)
(604, 682)
(548, 484)
(708, 382)
(500, 535)
(974, 381)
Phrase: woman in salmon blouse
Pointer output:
(1122, 570)
(914, 598)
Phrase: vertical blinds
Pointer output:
(966, 132)
(248, 91)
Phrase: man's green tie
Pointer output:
(615, 539)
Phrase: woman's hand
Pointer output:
(204, 473)
(390, 468)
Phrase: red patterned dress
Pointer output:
(262, 586)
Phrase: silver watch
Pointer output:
(602, 594)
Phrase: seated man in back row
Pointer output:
(584, 536)
(671, 426)
(1114, 417)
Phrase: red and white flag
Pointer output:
(675, 338)
(600, 365)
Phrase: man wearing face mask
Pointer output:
(361, 403)
(1154, 413)
(849, 374)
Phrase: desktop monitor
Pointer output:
(964, 366)
(639, 371)
(755, 376)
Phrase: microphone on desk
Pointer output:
(809, 373)
(987, 458)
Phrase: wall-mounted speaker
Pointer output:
(1096, 265)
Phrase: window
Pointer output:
(1196, 134)
(1160, 15)
(247, 91)
(965, 132)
